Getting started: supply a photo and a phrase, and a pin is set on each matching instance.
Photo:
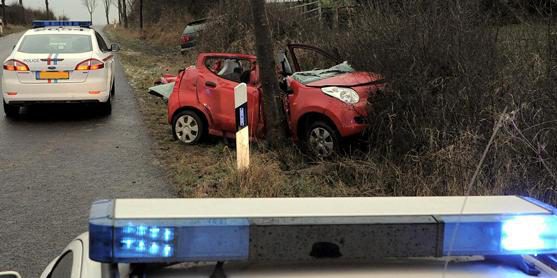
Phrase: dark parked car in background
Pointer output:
(191, 33)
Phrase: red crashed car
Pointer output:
(326, 99)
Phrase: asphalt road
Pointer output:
(56, 160)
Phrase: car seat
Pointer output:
(228, 67)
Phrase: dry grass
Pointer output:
(12, 29)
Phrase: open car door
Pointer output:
(306, 57)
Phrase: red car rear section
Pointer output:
(207, 90)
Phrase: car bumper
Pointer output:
(350, 120)
(15, 92)
(188, 46)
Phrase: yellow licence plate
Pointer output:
(43, 75)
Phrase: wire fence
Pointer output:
(307, 9)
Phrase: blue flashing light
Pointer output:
(168, 235)
(500, 235)
(56, 23)
(164, 241)
(154, 232)
(141, 230)
(127, 243)
(154, 249)
(529, 234)
(167, 251)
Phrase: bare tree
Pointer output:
(4, 12)
(90, 5)
(118, 5)
(125, 13)
(275, 118)
(47, 10)
(141, 14)
(107, 4)
(22, 11)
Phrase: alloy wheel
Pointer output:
(321, 142)
(187, 129)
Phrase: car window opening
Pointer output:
(56, 43)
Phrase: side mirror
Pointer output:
(9, 274)
(114, 48)
(13, 47)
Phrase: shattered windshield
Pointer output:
(306, 77)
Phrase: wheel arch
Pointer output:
(199, 113)
(306, 119)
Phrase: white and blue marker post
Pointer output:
(242, 125)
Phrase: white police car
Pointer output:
(59, 62)
(314, 237)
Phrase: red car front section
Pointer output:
(349, 119)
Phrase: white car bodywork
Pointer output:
(25, 87)
(473, 267)
(327, 211)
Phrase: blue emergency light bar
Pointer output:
(266, 234)
(57, 23)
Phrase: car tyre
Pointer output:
(188, 127)
(106, 107)
(322, 140)
(11, 111)
(113, 90)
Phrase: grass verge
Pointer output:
(11, 29)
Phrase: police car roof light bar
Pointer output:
(302, 229)
(60, 23)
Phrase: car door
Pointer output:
(313, 54)
(67, 265)
(217, 80)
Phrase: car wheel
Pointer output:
(106, 107)
(113, 90)
(11, 111)
(322, 140)
(188, 127)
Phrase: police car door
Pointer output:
(67, 265)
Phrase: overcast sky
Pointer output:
(74, 9)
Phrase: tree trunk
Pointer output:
(47, 10)
(107, 11)
(125, 13)
(275, 118)
(119, 12)
(141, 15)
(22, 12)
(4, 13)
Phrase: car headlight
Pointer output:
(346, 95)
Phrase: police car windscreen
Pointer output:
(56, 43)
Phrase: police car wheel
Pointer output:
(113, 90)
(11, 111)
(188, 127)
(106, 107)
(322, 140)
